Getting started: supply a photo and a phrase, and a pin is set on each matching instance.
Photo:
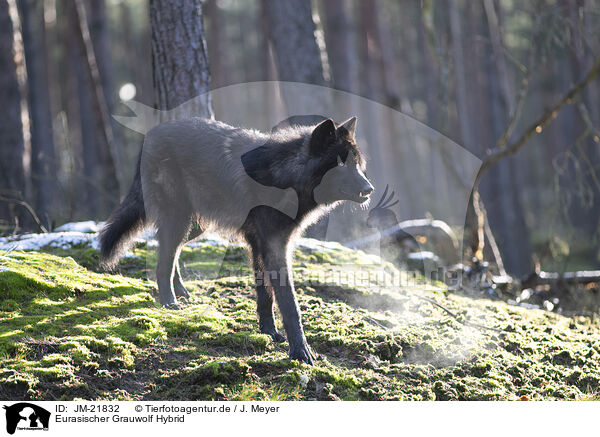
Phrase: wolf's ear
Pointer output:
(348, 128)
(322, 136)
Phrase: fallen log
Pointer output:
(552, 278)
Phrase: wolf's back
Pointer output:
(124, 223)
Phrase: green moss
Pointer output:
(68, 332)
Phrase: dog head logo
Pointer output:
(26, 416)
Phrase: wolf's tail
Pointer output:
(124, 223)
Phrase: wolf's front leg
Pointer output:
(279, 274)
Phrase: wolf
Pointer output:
(195, 175)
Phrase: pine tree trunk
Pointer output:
(43, 157)
(106, 151)
(507, 212)
(466, 134)
(340, 49)
(214, 38)
(100, 38)
(292, 30)
(179, 55)
(12, 173)
(298, 59)
(297, 55)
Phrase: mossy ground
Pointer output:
(69, 332)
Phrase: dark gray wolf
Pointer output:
(196, 175)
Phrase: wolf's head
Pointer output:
(337, 163)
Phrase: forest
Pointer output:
(480, 125)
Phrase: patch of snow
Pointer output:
(313, 244)
(423, 256)
(62, 240)
(86, 232)
(213, 239)
(87, 227)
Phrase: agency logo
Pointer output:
(26, 416)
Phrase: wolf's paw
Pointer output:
(181, 291)
(169, 302)
(274, 333)
(302, 353)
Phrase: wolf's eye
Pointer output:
(339, 161)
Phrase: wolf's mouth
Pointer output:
(361, 197)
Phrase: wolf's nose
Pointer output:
(366, 190)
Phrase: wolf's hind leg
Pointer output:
(178, 287)
(171, 235)
(264, 299)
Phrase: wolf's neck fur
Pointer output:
(282, 163)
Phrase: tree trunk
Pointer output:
(43, 157)
(141, 77)
(340, 49)
(292, 30)
(431, 81)
(466, 134)
(214, 41)
(267, 62)
(179, 55)
(100, 38)
(507, 213)
(298, 59)
(12, 173)
(109, 177)
(297, 55)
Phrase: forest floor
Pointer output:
(69, 332)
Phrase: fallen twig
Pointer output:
(29, 209)
(455, 317)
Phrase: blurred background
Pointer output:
(491, 75)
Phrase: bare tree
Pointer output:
(43, 157)
(12, 173)
(179, 55)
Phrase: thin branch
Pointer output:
(455, 317)
(503, 140)
(479, 214)
(536, 127)
(99, 98)
(492, 242)
(28, 207)
(585, 116)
